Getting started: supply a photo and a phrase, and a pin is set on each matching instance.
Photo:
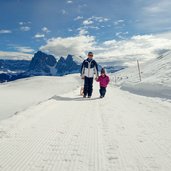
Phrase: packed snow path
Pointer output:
(122, 132)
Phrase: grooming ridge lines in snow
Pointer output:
(121, 132)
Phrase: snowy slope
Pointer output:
(122, 132)
(20, 94)
(156, 78)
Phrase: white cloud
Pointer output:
(24, 23)
(78, 18)
(94, 27)
(142, 47)
(5, 31)
(77, 45)
(165, 35)
(82, 31)
(127, 51)
(118, 22)
(21, 23)
(95, 19)
(64, 12)
(15, 55)
(70, 30)
(99, 19)
(117, 34)
(39, 35)
(158, 7)
(69, 2)
(153, 9)
(110, 42)
(87, 22)
(24, 49)
(155, 15)
(45, 29)
(25, 28)
(81, 7)
(121, 35)
(95, 23)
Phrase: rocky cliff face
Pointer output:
(42, 64)
(67, 66)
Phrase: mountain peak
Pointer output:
(41, 63)
(69, 58)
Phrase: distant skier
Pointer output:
(103, 79)
(88, 69)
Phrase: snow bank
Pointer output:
(20, 94)
(147, 89)
(156, 78)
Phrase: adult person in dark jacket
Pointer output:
(88, 69)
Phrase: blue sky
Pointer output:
(77, 26)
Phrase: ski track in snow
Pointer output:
(122, 132)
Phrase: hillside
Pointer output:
(155, 75)
(18, 95)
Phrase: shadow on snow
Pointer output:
(60, 98)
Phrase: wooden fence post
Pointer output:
(139, 70)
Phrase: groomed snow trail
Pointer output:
(122, 132)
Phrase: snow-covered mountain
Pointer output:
(77, 59)
(155, 77)
(67, 66)
(41, 64)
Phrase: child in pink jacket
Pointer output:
(103, 79)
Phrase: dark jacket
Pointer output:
(89, 68)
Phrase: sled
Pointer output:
(82, 91)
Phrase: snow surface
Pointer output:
(57, 130)
(156, 78)
(20, 94)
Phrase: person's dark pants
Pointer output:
(88, 86)
(102, 91)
